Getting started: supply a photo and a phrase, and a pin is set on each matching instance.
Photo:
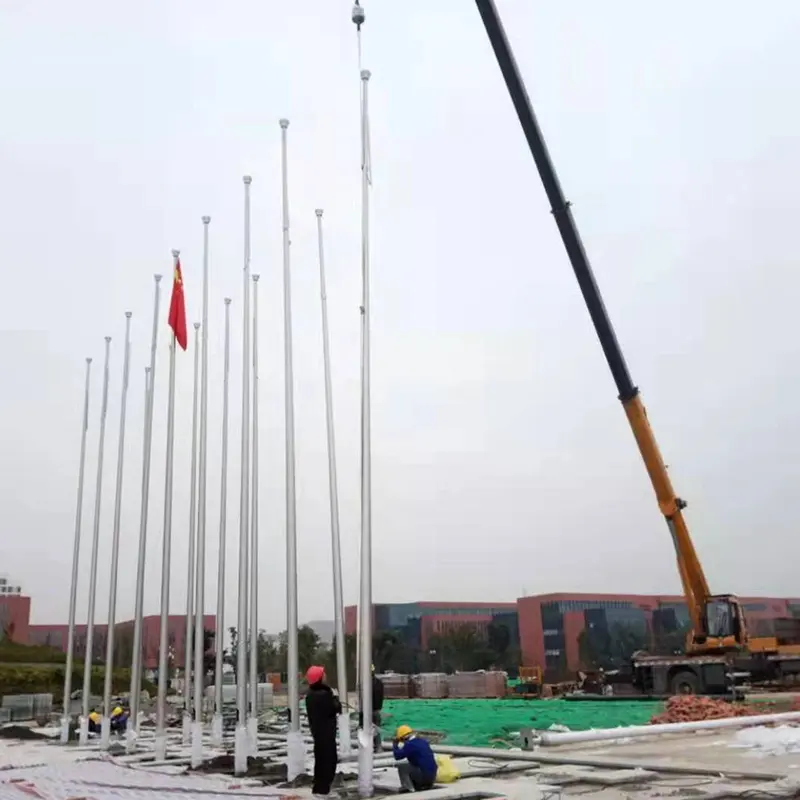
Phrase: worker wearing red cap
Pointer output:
(322, 709)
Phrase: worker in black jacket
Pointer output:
(377, 707)
(322, 709)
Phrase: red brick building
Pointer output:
(15, 614)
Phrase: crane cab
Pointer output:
(722, 627)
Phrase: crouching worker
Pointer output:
(418, 773)
(322, 709)
(119, 720)
(94, 722)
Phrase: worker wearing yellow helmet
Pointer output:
(93, 722)
(417, 771)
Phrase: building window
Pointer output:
(553, 653)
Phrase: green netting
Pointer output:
(481, 722)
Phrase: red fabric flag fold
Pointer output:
(177, 308)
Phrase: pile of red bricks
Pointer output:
(690, 708)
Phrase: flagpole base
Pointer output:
(365, 777)
(345, 741)
(130, 740)
(197, 744)
(187, 729)
(161, 746)
(83, 735)
(252, 735)
(240, 749)
(64, 730)
(105, 733)
(216, 730)
(295, 755)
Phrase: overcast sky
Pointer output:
(503, 463)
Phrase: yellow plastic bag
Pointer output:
(446, 770)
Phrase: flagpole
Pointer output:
(166, 547)
(200, 579)
(136, 666)
(219, 641)
(240, 741)
(76, 551)
(98, 497)
(338, 601)
(112, 591)
(187, 643)
(296, 755)
(252, 722)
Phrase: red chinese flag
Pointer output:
(177, 308)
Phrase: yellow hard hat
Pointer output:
(116, 712)
(403, 731)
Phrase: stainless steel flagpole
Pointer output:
(136, 666)
(240, 741)
(112, 590)
(252, 722)
(200, 578)
(333, 489)
(98, 498)
(296, 754)
(76, 552)
(219, 642)
(191, 566)
(166, 552)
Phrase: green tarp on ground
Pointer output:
(480, 722)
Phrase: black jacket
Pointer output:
(377, 694)
(322, 708)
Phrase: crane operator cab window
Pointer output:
(722, 620)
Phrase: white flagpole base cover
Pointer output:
(252, 735)
(64, 730)
(365, 745)
(187, 729)
(345, 743)
(130, 740)
(240, 750)
(216, 730)
(197, 744)
(105, 733)
(161, 746)
(295, 755)
(83, 736)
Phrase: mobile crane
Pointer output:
(719, 655)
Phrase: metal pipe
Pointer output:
(252, 722)
(98, 499)
(114, 572)
(76, 551)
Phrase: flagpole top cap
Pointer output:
(206, 219)
(147, 370)
(128, 314)
(158, 277)
(197, 326)
(284, 123)
(107, 340)
(247, 179)
(318, 212)
(365, 74)
(227, 301)
(88, 359)
(256, 276)
(175, 253)
(358, 15)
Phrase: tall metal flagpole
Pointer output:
(112, 591)
(296, 755)
(240, 741)
(166, 552)
(219, 642)
(365, 741)
(187, 644)
(252, 722)
(338, 598)
(200, 579)
(76, 552)
(98, 497)
(136, 666)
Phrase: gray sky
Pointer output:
(502, 461)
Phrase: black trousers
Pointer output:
(325, 761)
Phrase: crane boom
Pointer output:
(717, 622)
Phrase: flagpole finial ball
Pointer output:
(256, 277)
(365, 74)
(197, 326)
(128, 314)
(227, 301)
(176, 253)
(89, 360)
(108, 339)
(206, 220)
(358, 15)
(247, 179)
(158, 278)
(318, 212)
(284, 123)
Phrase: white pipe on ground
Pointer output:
(548, 739)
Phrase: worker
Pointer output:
(377, 707)
(119, 720)
(418, 773)
(322, 709)
(94, 722)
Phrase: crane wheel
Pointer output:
(684, 682)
